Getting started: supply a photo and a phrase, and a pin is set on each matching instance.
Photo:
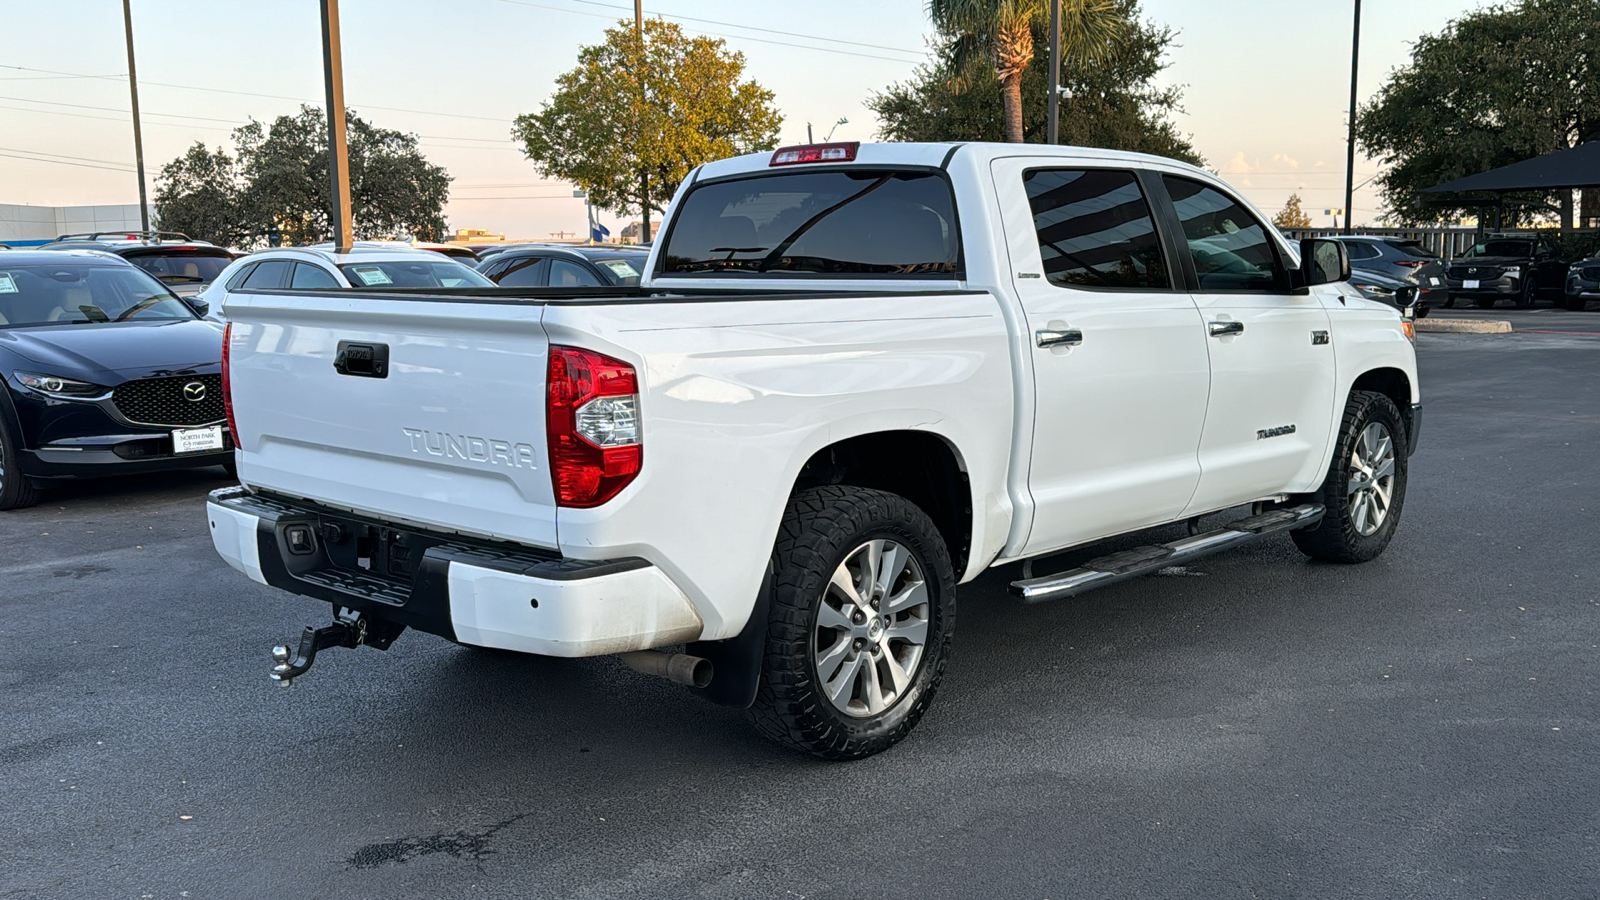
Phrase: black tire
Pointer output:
(1339, 536)
(1530, 292)
(1484, 302)
(15, 490)
(1449, 302)
(823, 528)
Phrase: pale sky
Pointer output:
(1266, 83)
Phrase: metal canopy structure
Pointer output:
(1578, 167)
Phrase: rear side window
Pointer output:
(308, 277)
(1362, 250)
(1415, 250)
(238, 279)
(528, 272)
(566, 274)
(1231, 249)
(268, 276)
(843, 224)
(1095, 229)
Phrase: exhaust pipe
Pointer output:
(682, 668)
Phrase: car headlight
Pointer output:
(1513, 270)
(62, 388)
(1373, 291)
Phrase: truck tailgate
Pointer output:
(449, 433)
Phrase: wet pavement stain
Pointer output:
(467, 845)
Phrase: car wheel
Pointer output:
(1449, 302)
(1530, 292)
(15, 491)
(1484, 302)
(863, 608)
(1366, 485)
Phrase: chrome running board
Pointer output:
(1108, 570)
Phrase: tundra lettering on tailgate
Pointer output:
(472, 448)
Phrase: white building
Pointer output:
(30, 226)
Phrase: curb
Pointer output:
(1464, 326)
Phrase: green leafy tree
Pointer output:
(394, 190)
(1292, 216)
(278, 180)
(631, 121)
(1497, 86)
(199, 194)
(1112, 104)
(999, 35)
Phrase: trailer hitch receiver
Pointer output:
(349, 629)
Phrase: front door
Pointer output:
(1272, 369)
(1117, 351)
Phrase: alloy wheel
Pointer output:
(872, 628)
(1371, 485)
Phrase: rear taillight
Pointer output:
(1411, 263)
(227, 384)
(592, 422)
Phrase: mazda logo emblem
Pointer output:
(1472, 271)
(194, 391)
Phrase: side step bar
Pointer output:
(1117, 567)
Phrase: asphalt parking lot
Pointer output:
(1261, 726)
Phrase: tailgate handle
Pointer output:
(362, 360)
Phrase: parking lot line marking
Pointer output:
(1542, 331)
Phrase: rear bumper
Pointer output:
(470, 592)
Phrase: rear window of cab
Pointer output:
(843, 224)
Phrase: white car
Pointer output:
(319, 268)
(853, 377)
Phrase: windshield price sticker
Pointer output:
(372, 275)
(621, 268)
(197, 440)
(8, 285)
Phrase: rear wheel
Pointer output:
(1366, 484)
(15, 491)
(863, 607)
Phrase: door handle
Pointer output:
(1223, 329)
(1070, 337)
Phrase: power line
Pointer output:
(814, 37)
(62, 162)
(112, 162)
(123, 119)
(736, 37)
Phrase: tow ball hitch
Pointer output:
(349, 629)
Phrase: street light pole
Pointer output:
(644, 176)
(1350, 150)
(338, 151)
(138, 139)
(1053, 131)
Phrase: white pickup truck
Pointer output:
(853, 377)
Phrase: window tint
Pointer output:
(179, 267)
(524, 273)
(566, 274)
(1415, 250)
(1231, 248)
(1361, 250)
(82, 294)
(1095, 229)
(308, 277)
(268, 275)
(409, 274)
(842, 224)
(238, 279)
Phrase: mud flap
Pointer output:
(736, 662)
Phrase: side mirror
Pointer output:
(1323, 262)
(199, 306)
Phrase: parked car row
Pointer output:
(1518, 268)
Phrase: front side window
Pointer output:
(841, 224)
(1231, 249)
(1095, 229)
(412, 274)
(79, 295)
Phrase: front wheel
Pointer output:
(15, 491)
(863, 607)
(1366, 484)
(1530, 293)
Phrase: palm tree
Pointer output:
(1000, 32)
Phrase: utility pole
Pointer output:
(1053, 131)
(1350, 150)
(338, 151)
(644, 176)
(138, 139)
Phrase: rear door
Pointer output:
(411, 410)
(1117, 349)
(1272, 367)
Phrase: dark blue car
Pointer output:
(106, 372)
